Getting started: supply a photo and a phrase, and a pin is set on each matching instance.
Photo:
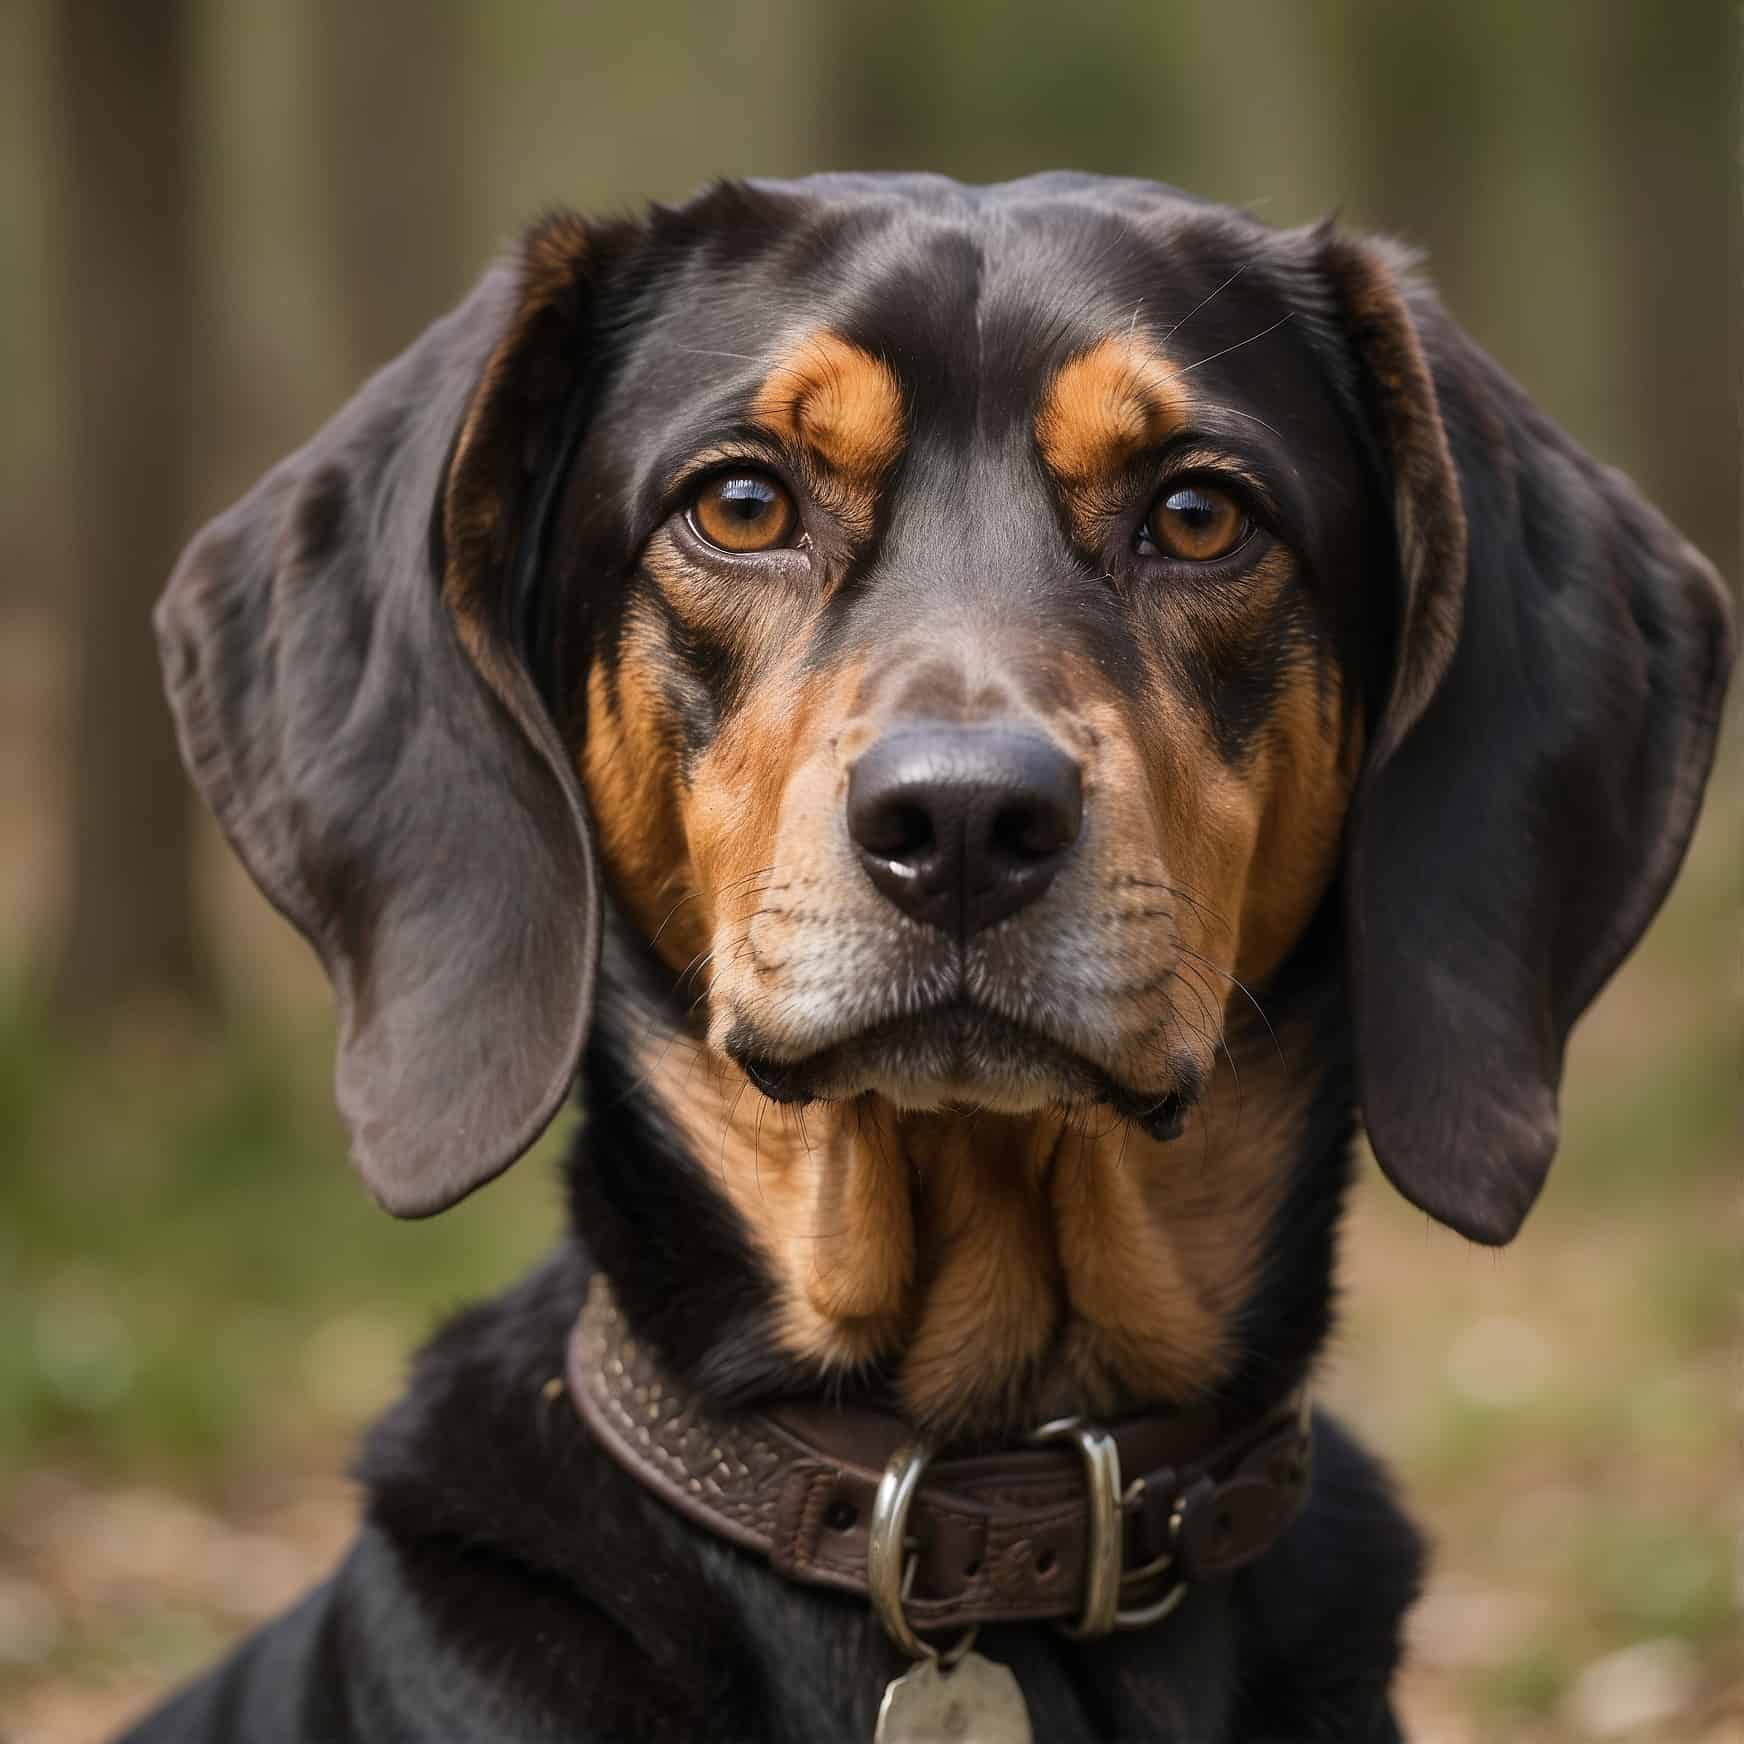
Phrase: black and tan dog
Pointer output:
(984, 724)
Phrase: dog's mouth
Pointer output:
(960, 1054)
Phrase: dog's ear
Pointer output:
(1534, 770)
(351, 702)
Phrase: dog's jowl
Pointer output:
(979, 727)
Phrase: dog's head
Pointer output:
(969, 634)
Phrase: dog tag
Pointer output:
(975, 1702)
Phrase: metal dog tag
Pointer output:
(975, 1702)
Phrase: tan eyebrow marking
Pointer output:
(1104, 406)
(839, 401)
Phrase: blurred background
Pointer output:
(218, 217)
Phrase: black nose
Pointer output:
(961, 826)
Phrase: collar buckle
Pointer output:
(1102, 1573)
(889, 1559)
(1105, 1578)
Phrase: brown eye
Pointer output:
(1196, 523)
(743, 511)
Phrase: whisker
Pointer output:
(757, 1146)
(1237, 982)
(1212, 1043)
(692, 895)
(1198, 904)
(1170, 334)
(1187, 369)
(1200, 995)
(1252, 417)
(696, 964)
(706, 351)
(644, 1079)
(689, 896)
(1205, 1124)
(727, 1123)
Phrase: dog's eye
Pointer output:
(743, 511)
(1196, 523)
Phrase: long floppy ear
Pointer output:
(349, 700)
(1534, 774)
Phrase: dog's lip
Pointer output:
(807, 1077)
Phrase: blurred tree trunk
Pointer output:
(391, 124)
(1418, 108)
(125, 82)
(1668, 164)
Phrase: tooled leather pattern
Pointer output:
(726, 1475)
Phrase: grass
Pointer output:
(183, 1240)
(1525, 1683)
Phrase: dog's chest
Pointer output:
(826, 1669)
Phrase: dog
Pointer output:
(983, 726)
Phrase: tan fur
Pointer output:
(677, 858)
(1312, 752)
(823, 1196)
(1249, 849)
(832, 400)
(1160, 1242)
(1006, 1269)
(625, 768)
(1103, 408)
(735, 804)
(990, 1300)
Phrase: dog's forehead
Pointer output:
(974, 297)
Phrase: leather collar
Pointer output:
(1004, 1537)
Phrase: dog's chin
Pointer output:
(962, 1056)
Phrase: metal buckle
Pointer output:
(1102, 1476)
(1142, 1616)
(1104, 1579)
(889, 1567)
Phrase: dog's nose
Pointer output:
(961, 826)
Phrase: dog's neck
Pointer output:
(977, 1272)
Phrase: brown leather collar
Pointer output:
(1003, 1537)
